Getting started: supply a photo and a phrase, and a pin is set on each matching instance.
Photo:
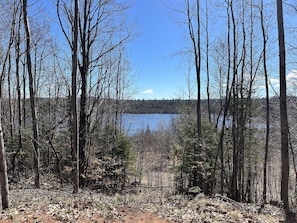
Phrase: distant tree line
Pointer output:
(172, 106)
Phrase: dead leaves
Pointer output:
(51, 206)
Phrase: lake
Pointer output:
(134, 123)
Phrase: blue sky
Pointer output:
(159, 73)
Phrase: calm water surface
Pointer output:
(133, 123)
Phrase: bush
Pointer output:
(111, 165)
(195, 158)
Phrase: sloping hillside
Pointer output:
(154, 206)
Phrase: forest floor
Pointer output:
(51, 205)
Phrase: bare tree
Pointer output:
(32, 95)
(195, 37)
(18, 84)
(283, 107)
(99, 34)
(264, 36)
(207, 59)
(3, 169)
(93, 16)
(3, 166)
(74, 133)
(73, 17)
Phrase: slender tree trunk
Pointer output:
(82, 126)
(267, 104)
(198, 71)
(228, 91)
(32, 96)
(198, 171)
(84, 69)
(24, 95)
(19, 96)
(11, 113)
(3, 166)
(248, 192)
(283, 107)
(243, 111)
(74, 141)
(207, 61)
(3, 169)
(234, 179)
(17, 25)
(117, 99)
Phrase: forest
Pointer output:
(66, 81)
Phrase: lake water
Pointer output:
(134, 123)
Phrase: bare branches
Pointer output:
(61, 23)
(291, 5)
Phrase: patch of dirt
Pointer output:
(133, 215)
(127, 215)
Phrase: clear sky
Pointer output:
(159, 74)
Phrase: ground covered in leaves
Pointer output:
(146, 206)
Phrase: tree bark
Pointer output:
(84, 70)
(267, 105)
(18, 88)
(198, 71)
(3, 170)
(234, 193)
(74, 141)
(283, 107)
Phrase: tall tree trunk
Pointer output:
(234, 179)
(283, 107)
(82, 128)
(225, 109)
(207, 61)
(248, 192)
(18, 12)
(243, 111)
(18, 89)
(84, 70)
(74, 133)
(32, 96)
(267, 104)
(198, 71)
(3, 168)
(198, 170)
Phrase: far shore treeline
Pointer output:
(176, 106)
(161, 106)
